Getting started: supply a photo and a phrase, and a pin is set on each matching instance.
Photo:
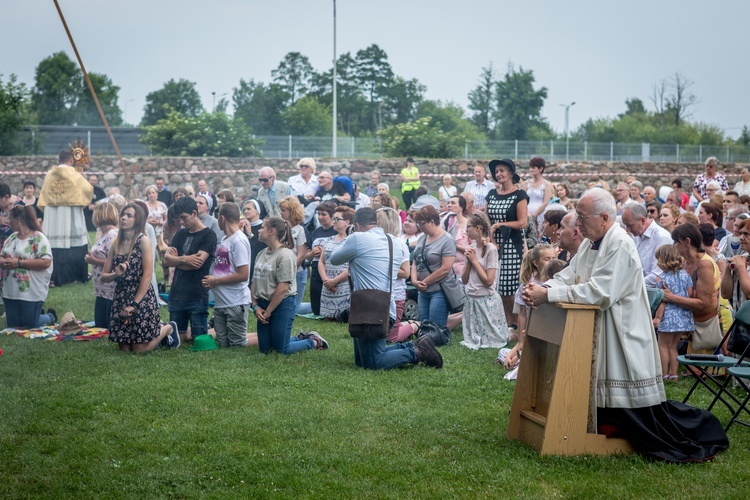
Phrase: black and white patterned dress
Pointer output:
(503, 208)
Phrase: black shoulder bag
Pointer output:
(369, 313)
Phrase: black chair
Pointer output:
(704, 364)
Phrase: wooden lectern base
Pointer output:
(550, 409)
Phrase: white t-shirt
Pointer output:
(399, 285)
(232, 252)
(300, 238)
(25, 284)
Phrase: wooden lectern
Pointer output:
(551, 402)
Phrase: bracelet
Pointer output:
(255, 307)
(19, 264)
(134, 304)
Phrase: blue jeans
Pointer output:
(432, 306)
(102, 311)
(299, 307)
(194, 312)
(275, 335)
(25, 314)
(375, 355)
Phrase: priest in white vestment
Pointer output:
(606, 272)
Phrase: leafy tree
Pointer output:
(56, 90)
(421, 137)
(449, 117)
(85, 111)
(260, 106)
(295, 75)
(351, 105)
(208, 134)
(482, 101)
(519, 105)
(179, 96)
(634, 106)
(307, 116)
(403, 98)
(14, 114)
(375, 77)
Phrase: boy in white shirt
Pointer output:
(230, 279)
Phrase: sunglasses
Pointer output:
(652, 211)
(264, 179)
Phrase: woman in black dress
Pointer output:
(507, 209)
(134, 322)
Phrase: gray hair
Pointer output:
(637, 184)
(571, 220)
(150, 187)
(714, 184)
(383, 184)
(735, 211)
(555, 207)
(308, 162)
(712, 160)
(638, 210)
(604, 202)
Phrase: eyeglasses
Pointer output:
(584, 218)
(264, 179)
(337, 219)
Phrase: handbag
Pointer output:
(440, 335)
(451, 286)
(739, 340)
(369, 310)
(707, 334)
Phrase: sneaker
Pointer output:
(425, 350)
(320, 342)
(53, 313)
(173, 339)
(304, 334)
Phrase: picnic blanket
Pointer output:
(88, 332)
(310, 316)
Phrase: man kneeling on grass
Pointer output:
(368, 256)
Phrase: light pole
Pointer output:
(334, 80)
(567, 142)
(125, 114)
(213, 104)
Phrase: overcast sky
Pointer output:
(593, 53)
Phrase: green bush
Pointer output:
(208, 134)
(421, 137)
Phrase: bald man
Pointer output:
(271, 191)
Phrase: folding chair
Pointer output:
(704, 366)
(740, 373)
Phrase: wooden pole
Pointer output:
(96, 101)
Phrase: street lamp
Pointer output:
(334, 146)
(125, 114)
(213, 104)
(567, 142)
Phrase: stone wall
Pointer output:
(241, 174)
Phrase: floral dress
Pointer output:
(332, 304)
(144, 325)
(158, 213)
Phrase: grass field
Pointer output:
(80, 419)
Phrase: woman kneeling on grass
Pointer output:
(26, 261)
(134, 323)
(273, 292)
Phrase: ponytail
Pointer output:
(283, 230)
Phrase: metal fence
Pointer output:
(54, 138)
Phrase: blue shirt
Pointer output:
(367, 255)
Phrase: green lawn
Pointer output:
(80, 419)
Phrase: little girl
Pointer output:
(484, 323)
(672, 321)
(531, 272)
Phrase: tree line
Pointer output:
(372, 101)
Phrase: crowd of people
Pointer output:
(502, 239)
